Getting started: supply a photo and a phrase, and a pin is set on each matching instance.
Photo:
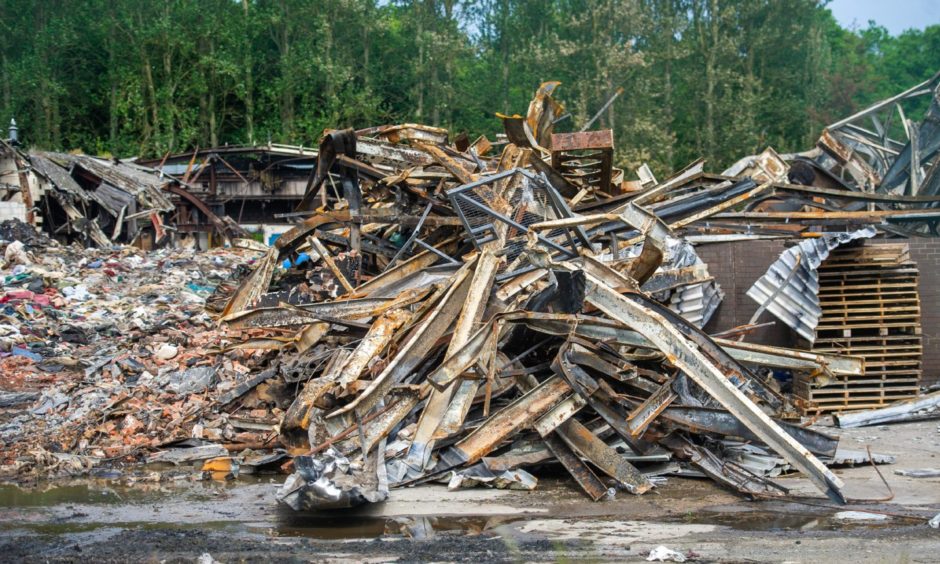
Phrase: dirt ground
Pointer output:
(179, 521)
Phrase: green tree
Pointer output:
(713, 78)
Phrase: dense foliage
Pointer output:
(712, 78)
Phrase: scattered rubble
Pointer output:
(92, 327)
(461, 312)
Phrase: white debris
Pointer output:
(78, 293)
(16, 254)
(860, 516)
(508, 480)
(166, 352)
(663, 554)
(919, 473)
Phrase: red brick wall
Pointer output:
(737, 265)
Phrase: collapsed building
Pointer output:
(259, 187)
(100, 202)
(466, 311)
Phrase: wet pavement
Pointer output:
(167, 514)
(239, 521)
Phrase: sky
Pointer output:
(895, 15)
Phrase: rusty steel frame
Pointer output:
(687, 357)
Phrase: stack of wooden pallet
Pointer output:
(871, 308)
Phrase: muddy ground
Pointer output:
(113, 520)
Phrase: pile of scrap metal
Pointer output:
(458, 316)
(858, 173)
(98, 201)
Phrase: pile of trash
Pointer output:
(112, 348)
(463, 312)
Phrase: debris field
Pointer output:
(471, 311)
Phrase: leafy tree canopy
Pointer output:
(713, 78)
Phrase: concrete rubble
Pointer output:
(456, 311)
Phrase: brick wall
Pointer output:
(926, 253)
(736, 266)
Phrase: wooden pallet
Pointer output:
(853, 257)
(870, 308)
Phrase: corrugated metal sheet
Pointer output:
(695, 302)
(58, 176)
(144, 184)
(791, 284)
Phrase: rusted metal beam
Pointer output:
(640, 418)
(400, 401)
(874, 216)
(633, 310)
(561, 412)
(453, 417)
(582, 474)
(422, 339)
(721, 422)
(608, 460)
(511, 419)
(321, 250)
(484, 270)
(285, 316)
(380, 334)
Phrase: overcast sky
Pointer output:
(896, 15)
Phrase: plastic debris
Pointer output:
(663, 554)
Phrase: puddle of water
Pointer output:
(319, 528)
(115, 492)
(366, 527)
(13, 496)
(772, 521)
(756, 520)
